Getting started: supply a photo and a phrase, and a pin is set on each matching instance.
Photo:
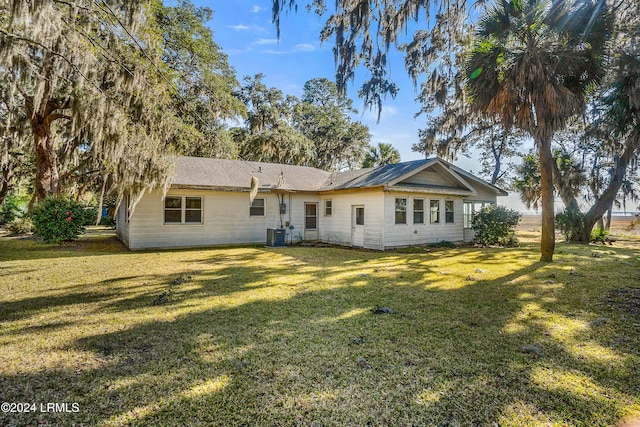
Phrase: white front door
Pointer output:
(357, 225)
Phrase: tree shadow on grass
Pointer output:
(312, 351)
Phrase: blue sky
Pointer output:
(244, 30)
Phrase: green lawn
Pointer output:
(262, 336)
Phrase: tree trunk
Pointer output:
(47, 181)
(607, 224)
(606, 199)
(548, 237)
(5, 180)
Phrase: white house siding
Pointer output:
(226, 220)
(416, 234)
(296, 215)
(337, 227)
(122, 226)
(433, 176)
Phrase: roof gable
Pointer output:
(434, 175)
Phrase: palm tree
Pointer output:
(532, 65)
(383, 154)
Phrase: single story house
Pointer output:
(404, 204)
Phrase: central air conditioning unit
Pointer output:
(276, 237)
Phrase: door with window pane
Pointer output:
(311, 221)
(357, 225)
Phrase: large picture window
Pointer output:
(434, 211)
(257, 207)
(448, 211)
(401, 211)
(182, 210)
(418, 211)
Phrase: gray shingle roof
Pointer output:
(372, 177)
(236, 174)
(198, 172)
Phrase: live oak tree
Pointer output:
(103, 92)
(323, 117)
(313, 131)
(80, 75)
(203, 81)
(269, 134)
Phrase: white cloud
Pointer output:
(262, 42)
(304, 47)
(275, 52)
(256, 9)
(253, 28)
(239, 27)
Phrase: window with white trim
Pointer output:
(401, 211)
(418, 211)
(448, 211)
(257, 207)
(183, 210)
(328, 207)
(434, 211)
(470, 209)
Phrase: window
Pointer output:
(127, 208)
(257, 208)
(470, 209)
(180, 209)
(359, 216)
(418, 211)
(310, 216)
(328, 208)
(435, 211)
(172, 209)
(193, 209)
(467, 214)
(401, 211)
(448, 211)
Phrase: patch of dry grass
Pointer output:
(256, 336)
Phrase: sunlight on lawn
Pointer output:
(248, 335)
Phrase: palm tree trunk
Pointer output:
(548, 237)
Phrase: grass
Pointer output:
(287, 336)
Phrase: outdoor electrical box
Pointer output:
(276, 237)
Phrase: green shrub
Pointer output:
(58, 219)
(106, 221)
(495, 225)
(599, 235)
(9, 209)
(20, 226)
(570, 224)
(89, 215)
